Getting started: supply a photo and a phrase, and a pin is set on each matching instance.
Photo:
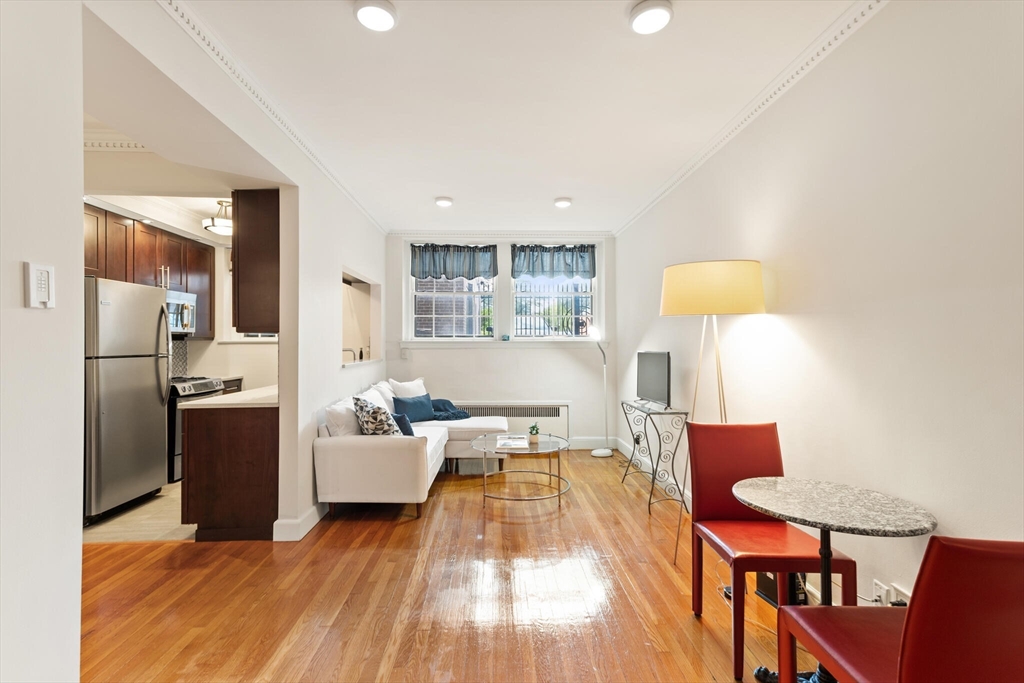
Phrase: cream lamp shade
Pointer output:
(712, 288)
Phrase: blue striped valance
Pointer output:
(569, 261)
(454, 260)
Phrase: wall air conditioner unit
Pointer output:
(551, 418)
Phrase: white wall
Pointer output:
(508, 371)
(41, 351)
(320, 229)
(883, 195)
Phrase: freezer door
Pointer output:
(125, 430)
(123, 319)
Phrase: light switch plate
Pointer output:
(39, 286)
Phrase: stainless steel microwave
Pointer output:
(181, 312)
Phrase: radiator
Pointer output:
(552, 419)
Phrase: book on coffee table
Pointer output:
(513, 442)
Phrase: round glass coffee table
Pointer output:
(519, 444)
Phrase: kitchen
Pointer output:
(181, 305)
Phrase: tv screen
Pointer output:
(653, 376)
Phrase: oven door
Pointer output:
(174, 467)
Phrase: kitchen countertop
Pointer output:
(228, 378)
(264, 397)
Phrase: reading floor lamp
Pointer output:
(602, 452)
(712, 288)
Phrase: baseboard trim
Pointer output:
(296, 529)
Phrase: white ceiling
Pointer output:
(506, 104)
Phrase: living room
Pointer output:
(867, 155)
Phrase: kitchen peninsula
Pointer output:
(230, 465)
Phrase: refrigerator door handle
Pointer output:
(170, 352)
(92, 432)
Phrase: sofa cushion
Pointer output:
(373, 396)
(408, 389)
(403, 423)
(387, 393)
(418, 408)
(374, 420)
(470, 428)
(342, 419)
(436, 440)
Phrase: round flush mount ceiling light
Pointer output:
(563, 202)
(443, 202)
(376, 15)
(650, 16)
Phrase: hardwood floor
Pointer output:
(510, 592)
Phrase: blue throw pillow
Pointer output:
(403, 423)
(417, 409)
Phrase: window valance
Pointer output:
(454, 260)
(568, 261)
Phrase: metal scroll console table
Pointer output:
(639, 415)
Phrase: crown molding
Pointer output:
(187, 19)
(858, 14)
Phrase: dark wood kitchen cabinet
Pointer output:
(199, 280)
(172, 258)
(229, 485)
(95, 241)
(146, 256)
(108, 244)
(256, 261)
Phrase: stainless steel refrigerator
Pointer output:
(127, 385)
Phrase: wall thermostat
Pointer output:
(39, 292)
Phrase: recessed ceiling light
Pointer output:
(443, 201)
(650, 16)
(376, 15)
(563, 202)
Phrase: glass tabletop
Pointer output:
(519, 443)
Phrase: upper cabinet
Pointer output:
(119, 248)
(199, 280)
(255, 253)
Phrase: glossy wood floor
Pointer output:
(510, 592)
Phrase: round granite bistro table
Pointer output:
(548, 444)
(829, 507)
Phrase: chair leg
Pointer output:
(782, 581)
(850, 587)
(697, 580)
(419, 510)
(501, 464)
(739, 588)
(787, 653)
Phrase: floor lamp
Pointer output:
(602, 452)
(712, 288)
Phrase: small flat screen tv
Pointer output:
(653, 376)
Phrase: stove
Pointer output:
(195, 386)
(183, 390)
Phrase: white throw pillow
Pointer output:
(342, 419)
(408, 389)
(373, 396)
(384, 389)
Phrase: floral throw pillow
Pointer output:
(374, 420)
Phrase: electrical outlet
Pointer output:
(900, 594)
(880, 593)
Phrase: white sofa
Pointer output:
(354, 468)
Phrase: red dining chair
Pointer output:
(940, 637)
(749, 541)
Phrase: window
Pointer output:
(541, 292)
(453, 308)
(553, 307)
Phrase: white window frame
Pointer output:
(504, 291)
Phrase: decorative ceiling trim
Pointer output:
(858, 14)
(110, 142)
(187, 19)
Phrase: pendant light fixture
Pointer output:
(220, 224)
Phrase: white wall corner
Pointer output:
(858, 14)
(296, 529)
(626, 449)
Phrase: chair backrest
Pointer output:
(723, 454)
(965, 621)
